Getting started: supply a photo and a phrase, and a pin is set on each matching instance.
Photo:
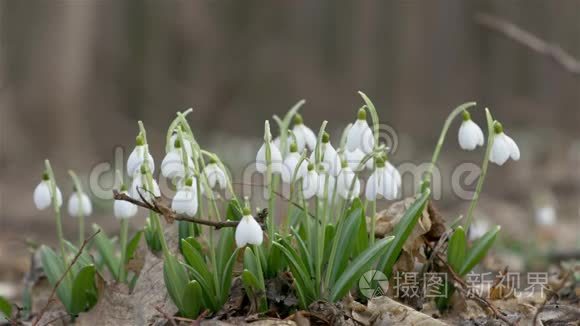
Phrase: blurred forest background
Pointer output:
(75, 75)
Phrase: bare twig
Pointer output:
(160, 208)
(463, 287)
(532, 42)
(166, 315)
(555, 293)
(51, 298)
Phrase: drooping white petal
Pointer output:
(185, 201)
(382, 184)
(354, 158)
(330, 159)
(248, 231)
(172, 165)
(290, 163)
(305, 137)
(42, 198)
(514, 149)
(323, 184)
(215, 176)
(143, 188)
(310, 184)
(371, 187)
(345, 181)
(394, 173)
(136, 158)
(276, 158)
(124, 209)
(186, 144)
(470, 135)
(388, 187)
(500, 150)
(82, 207)
(477, 229)
(360, 136)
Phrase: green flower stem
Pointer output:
(285, 123)
(56, 210)
(484, 166)
(458, 110)
(80, 192)
(373, 220)
(149, 182)
(374, 116)
(172, 126)
(123, 239)
(293, 183)
(229, 180)
(269, 181)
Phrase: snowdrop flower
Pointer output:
(305, 137)
(345, 180)
(310, 182)
(354, 158)
(248, 231)
(124, 209)
(477, 229)
(278, 144)
(138, 184)
(186, 144)
(173, 165)
(503, 147)
(330, 159)
(42, 194)
(290, 163)
(185, 200)
(215, 175)
(322, 184)
(79, 204)
(276, 159)
(470, 135)
(382, 183)
(360, 135)
(137, 157)
(546, 215)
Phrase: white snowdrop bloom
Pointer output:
(137, 157)
(276, 159)
(173, 165)
(382, 183)
(477, 229)
(143, 187)
(42, 194)
(124, 209)
(330, 159)
(322, 184)
(79, 205)
(278, 144)
(546, 215)
(186, 144)
(290, 163)
(470, 135)
(215, 175)
(345, 180)
(394, 173)
(310, 182)
(360, 134)
(185, 200)
(248, 231)
(354, 158)
(305, 137)
(503, 147)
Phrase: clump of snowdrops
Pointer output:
(323, 237)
